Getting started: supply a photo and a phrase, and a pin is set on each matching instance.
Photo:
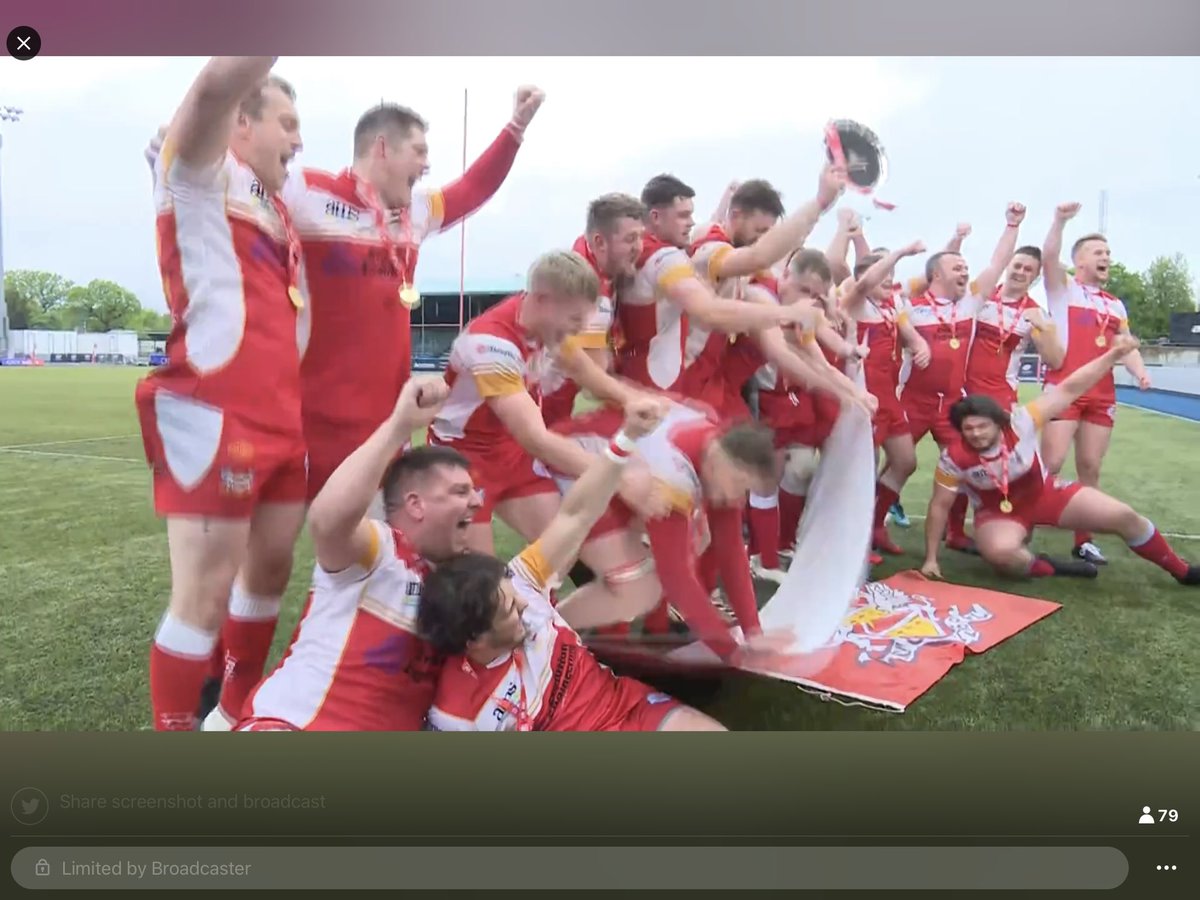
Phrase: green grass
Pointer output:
(84, 575)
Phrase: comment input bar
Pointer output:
(570, 868)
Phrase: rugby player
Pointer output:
(706, 467)
(360, 232)
(355, 661)
(1089, 320)
(996, 462)
(513, 663)
(221, 420)
(493, 419)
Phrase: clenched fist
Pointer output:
(526, 103)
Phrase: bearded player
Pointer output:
(674, 327)
(360, 232)
(996, 463)
(513, 663)
(1088, 320)
(356, 661)
(1000, 329)
(221, 421)
(611, 244)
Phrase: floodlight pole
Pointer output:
(7, 114)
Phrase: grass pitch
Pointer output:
(84, 576)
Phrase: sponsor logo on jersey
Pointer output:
(657, 698)
(336, 209)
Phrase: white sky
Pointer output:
(963, 136)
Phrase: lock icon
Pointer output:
(41, 868)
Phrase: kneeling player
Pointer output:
(515, 665)
(996, 462)
(706, 470)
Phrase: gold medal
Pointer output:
(409, 296)
(1005, 506)
(296, 297)
(1101, 341)
(955, 343)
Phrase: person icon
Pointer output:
(1146, 818)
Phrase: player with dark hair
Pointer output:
(355, 661)
(996, 463)
(513, 663)
(1089, 320)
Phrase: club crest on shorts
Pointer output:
(237, 484)
(892, 626)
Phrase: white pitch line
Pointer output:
(1172, 535)
(20, 450)
(109, 437)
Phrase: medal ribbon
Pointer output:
(1092, 294)
(293, 249)
(1001, 483)
(518, 709)
(369, 196)
(1005, 333)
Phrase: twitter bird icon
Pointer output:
(29, 806)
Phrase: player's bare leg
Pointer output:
(1092, 510)
(254, 605)
(627, 589)
(901, 462)
(1091, 445)
(205, 555)
(687, 719)
(1002, 544)
(1057, 438)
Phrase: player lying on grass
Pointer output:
(996, 462)
(355, 662)
(513, 663)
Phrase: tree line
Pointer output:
(48, 301)
(45, 300)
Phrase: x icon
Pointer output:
(23, 43)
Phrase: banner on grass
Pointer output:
(897, 640)
(903, 634)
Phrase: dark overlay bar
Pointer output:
(569, 868)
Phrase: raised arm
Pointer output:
(1053, 402)
(1053, 271)
(337, 519)
(200, 132)
(678, 280)
(839, 248)
(1005, 247)
(589, 496)
(785, 236)
(962, 231)
(484, 177)
(856, 293)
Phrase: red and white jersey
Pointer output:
(559, 391)
(981, 476)
(551, 683)
(1084, 314)
(223, 254)
(493, 357)
(658, 342)
(355, 662)
(878, 324)
(1001, 334)
(948, 328)
(354, 332)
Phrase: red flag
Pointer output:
(880, 204)
(900, 637)
(904, 634)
